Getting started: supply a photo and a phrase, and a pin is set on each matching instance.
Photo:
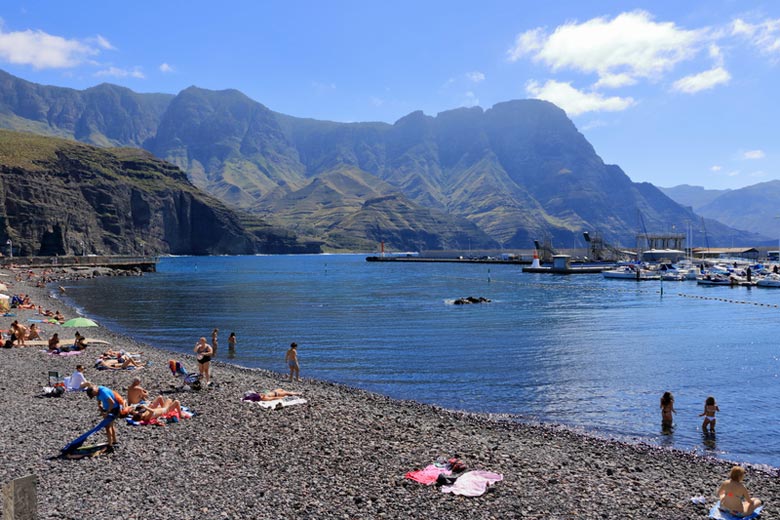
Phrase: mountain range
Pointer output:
(468, 177)
(752, 207)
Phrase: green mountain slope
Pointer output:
(516, 172)
(62, 197)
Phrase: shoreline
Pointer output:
(342, 455)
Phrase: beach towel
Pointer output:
(473, 483)
(715, 512)
(69, 353)
(428, 475)
(290, 400)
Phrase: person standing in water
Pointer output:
(667, 409)
(710, 407)
(292, 361)
(232, 342)
(214, 343)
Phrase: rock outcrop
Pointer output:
(59, 197)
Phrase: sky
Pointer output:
(672, 92)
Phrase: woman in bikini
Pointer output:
(204, 352)
(734, 496)
(710, 407)
(667, 409)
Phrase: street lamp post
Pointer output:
(10, 248)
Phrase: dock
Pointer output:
(561, 263)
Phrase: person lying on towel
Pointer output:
(159, 408)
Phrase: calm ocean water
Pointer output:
(580, 350)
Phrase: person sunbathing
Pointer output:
(136, 393)
(276, 394)
(54, 343)
(158, 408)
(117, 364)
(34, 332)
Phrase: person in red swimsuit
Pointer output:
(734, 496)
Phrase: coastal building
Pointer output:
(723, 253)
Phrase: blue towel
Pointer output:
(715, 512)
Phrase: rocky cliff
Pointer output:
(60, 197)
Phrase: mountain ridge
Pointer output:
(512, 173)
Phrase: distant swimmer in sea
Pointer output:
(232, 342)
(710, 407)
(667, 409)
(291, 358)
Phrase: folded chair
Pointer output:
(178, 371)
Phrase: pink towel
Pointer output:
(473, 483)
(428, 475)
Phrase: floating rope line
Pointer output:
(726, 300)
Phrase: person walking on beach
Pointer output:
(292, 361)
(204, 352)
(109, 403)
(667, 409)
(734, 496)
(710, 407)
(214, 343)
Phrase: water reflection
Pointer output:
(708, 440)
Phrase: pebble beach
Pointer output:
(342, 455)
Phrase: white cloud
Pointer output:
(614, 81)
(165, 68)
(470, 99)
(43, 51)
(764, 35)
(475, 76)
(376, 101)
(757, 174)
(702, 81)
(630, 45)
(733, 173)
(104, 43)
(576, 102)
(117, 72)
(716, 168)
(754, 154)
(527, 43)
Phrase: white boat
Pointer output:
(714, 279)
(770, 280)
(631, 272)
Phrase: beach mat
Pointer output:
(281, 403)
(93, 450)
(78, 441)
(715, 512)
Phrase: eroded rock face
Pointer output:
(59, 197)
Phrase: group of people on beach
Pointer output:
(732, 493)
(667, 411)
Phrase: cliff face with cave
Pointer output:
(58, 197)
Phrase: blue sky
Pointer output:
(673, 92)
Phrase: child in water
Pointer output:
(667, 409)
(710, 407)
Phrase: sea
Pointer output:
(590, 353)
